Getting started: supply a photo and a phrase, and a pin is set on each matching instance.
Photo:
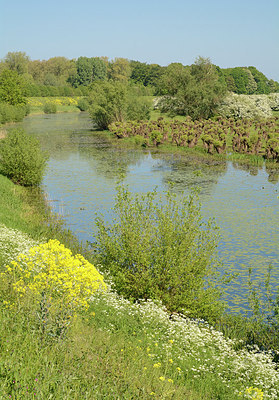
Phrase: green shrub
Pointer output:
(50, 108)
(9, 113)
(83, 104)
(116, 102)
(161, 249)
(21, 158)
(138, 108)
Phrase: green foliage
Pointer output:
(83, 104)
(147, 74)
(56, 71)
(9, 113)
(195, 91)
(50, 108)
(88, 71)
(21, 158)
(17, 61)
(160, 249)
(108, 101)
(138, 108)
(34, 90)
(243, 80)
(119, 70)
(11, 88)
(115, 102)
(261, 80)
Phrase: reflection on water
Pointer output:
(84, 167)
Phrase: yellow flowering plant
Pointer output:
(252, 393)
(62, 283)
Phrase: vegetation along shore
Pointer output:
(139, 313)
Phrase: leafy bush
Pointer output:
(83, 104)
(10, 113)
(50, 108)
(138, 108)
(12, 88)
(21, 158)
(116, 102)
(108, 102)
(161, 250)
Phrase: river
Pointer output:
(83, 168)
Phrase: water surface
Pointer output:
(84, 167)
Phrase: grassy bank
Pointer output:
(63, 104)
(115, 349)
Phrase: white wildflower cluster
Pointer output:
(195, 343)
(13, 242)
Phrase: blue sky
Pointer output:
(231, 33)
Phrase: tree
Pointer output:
(119, 70)
(89, 70)
(11, 88)
(115, 101)
(273, 86)
(261, 80)
(195, 91)
(17, 61)
(108, 101)
(147, 74)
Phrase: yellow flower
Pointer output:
(162, 378)
(52, 269)
(170, 380)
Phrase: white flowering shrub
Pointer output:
(241, 106)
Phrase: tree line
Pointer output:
(60, 76)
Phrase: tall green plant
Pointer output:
(159, 248)
(21, 158)
(195, 91)
(12, 88)
(115, 102)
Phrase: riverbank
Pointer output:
(62, 104)
(115, 349)
(256, 140)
